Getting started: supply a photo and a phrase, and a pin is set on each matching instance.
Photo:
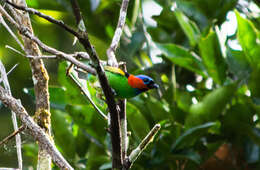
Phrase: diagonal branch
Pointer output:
(14, 120)
(6, 139)
(145, 142)
(34, 129)
(47, 17)
(115, 41)
(40, 79)
(84, 40)
(48, 49)
(2, 21)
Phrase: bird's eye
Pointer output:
(145, 80)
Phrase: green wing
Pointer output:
(120, 84)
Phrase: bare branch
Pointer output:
(47, 17)
(75, 55)
(59, 53)
(14, 50)
(1, 79)
(10, 19)
(136, 152)
(84, 40)
(34, 129)
(115, 41)
(40, 79)
(123, 121)
(12, 69)
(14, 120)
(48, 49)
(43, 57)
(2, 21)
(78, 16)
(6, 139)
(123, 127)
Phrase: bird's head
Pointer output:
(142, 82)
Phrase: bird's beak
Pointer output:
(156, 86)
(153, 86)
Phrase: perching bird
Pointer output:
(126, 85)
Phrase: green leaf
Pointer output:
(242, 115)
(29, 151)
(254, 83)
(96, 157)
(71, 92)
(238, 114)
(238, 63)
(62, 132)
(215, 9)
(82, 143)
(211, 106)
(182, 57)
(137, 122)
(189, 27)
(191, 135)
(249, 38)
(57, 98)
(189, 154)
(157, 109)
(212, 58)
(48, 5)
(86, 118)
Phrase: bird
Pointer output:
(127, 85)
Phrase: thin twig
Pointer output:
(34, 129)
(74, 78)
(6, 139)
(75, 55)
(14, 120)
(46, 48)
(2, 21)
(15, 50)
(136, 152)
(47, 17)
(9, 18)
(10, 71)
(43, 57)
(115, 41)
(82, 55)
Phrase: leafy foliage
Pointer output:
(209, 82)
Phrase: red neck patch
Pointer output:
(136, 82)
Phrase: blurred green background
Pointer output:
(204, 54)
